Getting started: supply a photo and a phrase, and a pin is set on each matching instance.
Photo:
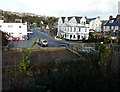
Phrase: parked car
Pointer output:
(17, 38)
(42, 30)
(62, 45)
(13, 38)
(57, 38)
(43, 42)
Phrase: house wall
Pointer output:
(96, 25)
(14, 29)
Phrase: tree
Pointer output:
(4, 38)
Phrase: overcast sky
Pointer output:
(57, 8)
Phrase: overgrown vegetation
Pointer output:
(93, 73)
(4, 38)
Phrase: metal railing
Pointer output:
(78, 49)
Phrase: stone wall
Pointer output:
(38, 49)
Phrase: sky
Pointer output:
(58, 8)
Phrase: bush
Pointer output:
(91, 39)
(4, 38)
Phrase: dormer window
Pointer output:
(119, 21)
(111, 21)
(19, 26)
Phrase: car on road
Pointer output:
(42, 30)
(62, 45)
(43, 42)
(57, 38)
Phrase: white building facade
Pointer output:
(73, 28)
(15, 30)
(95, 24)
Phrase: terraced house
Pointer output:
(73, 28)
(113, 24)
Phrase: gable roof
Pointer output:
(90, 19)
(87, 21)
(63, 19)
(69, 18)
(78, 19)
(114, 23)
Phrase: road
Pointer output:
(51, 41)
(32, 37)
(24, 43)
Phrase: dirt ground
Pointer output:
(11, 57)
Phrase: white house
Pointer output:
(95, 24)
(15, 30)
(73, 28)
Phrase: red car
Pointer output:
(17, 38)
(42, 30)
(13, 38)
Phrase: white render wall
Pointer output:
(96, 25)
(14, 29)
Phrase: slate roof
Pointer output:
(90, 19)
(69, 18)
(87, 21)
(114, 23)
(78, 19)
(63, 19)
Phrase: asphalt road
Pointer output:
(32, 37)
(51, 41)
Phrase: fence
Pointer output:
(77, 49)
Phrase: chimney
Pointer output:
(119, 7)
(99, 17)
(110, 17)
(117, 17)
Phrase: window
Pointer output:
(74, 29)
(84, 23)
(111, 21)
(79, 29)
(0, 25)
(19, 26)
(110, 27)
(119, 21)
(70, 36)
(74, 36)
(10, 26)
(86, 30)
(20, 33)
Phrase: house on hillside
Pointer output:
(113, 24)
(95, 24)
(73, 28)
